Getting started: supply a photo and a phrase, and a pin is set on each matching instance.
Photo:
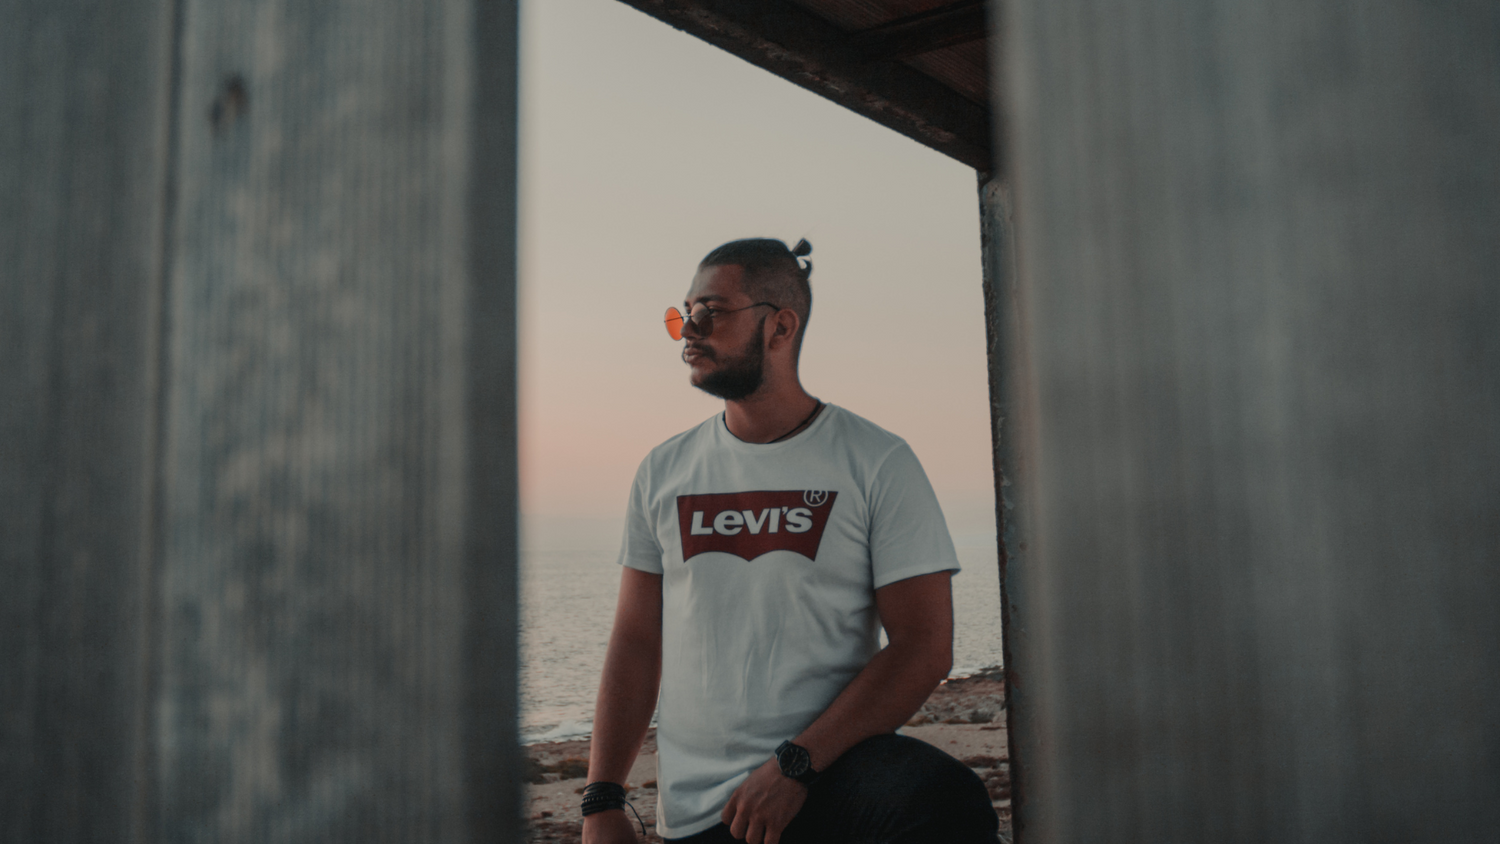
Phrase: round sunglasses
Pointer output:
(702, 316)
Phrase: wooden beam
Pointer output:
(84, 115)
(809, 51)
(339, 557)
(947, 26)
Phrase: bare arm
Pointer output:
(918, 617)
(627, 695)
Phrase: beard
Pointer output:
(740, 375)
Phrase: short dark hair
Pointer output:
(772, 274)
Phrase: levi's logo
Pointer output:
(749, 524)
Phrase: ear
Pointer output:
(784, 327)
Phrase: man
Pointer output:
(763, 551)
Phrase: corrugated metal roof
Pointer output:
(920, 67)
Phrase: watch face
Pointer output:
(794, 761)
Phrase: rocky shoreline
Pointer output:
(965, 717)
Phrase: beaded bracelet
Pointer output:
(605, 796)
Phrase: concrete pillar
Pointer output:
(1007, 386)
(1258, 244)
(259, 478)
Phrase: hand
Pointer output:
(611, 827)
(763, 805)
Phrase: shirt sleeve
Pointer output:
(908, 535)
(639, 549)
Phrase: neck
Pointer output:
(769, 413)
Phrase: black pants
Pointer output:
(887, 790)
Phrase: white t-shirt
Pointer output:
(771, 610)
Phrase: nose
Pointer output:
(690, 328)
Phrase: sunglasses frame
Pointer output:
(706, 327)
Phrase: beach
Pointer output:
(965, 717)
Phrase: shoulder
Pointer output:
(681, 446)
(873, 442)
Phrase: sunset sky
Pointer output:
(643, 148)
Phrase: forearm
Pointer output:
(918, 617)
(883, 696)
(622, 712)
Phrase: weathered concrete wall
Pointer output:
(259, 478)
(1008, 385)
(1259, 245)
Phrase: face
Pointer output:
(730, 363)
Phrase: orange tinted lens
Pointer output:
(674, 323)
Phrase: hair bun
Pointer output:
(803, 248)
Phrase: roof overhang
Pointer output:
(917, 66)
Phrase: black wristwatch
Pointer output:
(795, 762)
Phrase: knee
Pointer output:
(951, 788)
(932, 794)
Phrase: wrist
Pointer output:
(602, 797)
(795, 762)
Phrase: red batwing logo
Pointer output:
(749, 524)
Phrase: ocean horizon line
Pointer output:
(573, 730)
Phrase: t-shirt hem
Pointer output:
(686, 829)
(908, 573)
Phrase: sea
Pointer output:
(569, 582)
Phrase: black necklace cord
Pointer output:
(800, 425)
